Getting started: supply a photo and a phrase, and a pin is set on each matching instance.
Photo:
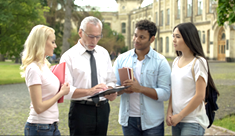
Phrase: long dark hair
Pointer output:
(191, 38)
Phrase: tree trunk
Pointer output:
(67, 26)
(2, 57)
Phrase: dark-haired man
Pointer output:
(141, 107)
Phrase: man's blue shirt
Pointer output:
(156, 74)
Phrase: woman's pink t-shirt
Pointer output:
(49, 86)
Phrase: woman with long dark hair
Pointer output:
(186, 110)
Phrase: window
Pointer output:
(203, 37)
(123, 27)
(161, 21)
(189, 8)
(178, 9)
(133, 27)
(156, 18)
(200, 6)
(167, 44)
(208, 41)
(160, 46)
(210, 5)
(199, 33)
(168, 17)
(155, 44)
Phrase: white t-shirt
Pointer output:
(49, 86)
(135, 97)
(184, 89)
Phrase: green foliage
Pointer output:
(226, 10)
(17, 17)
(111, 41)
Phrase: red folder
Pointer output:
(59, 71)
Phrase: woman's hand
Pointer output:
(175, 119)
(168, 120)
(65, 89)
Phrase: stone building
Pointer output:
(218, 41)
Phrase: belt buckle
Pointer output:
(97, 104)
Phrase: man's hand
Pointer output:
(111, 97)
(134, 86)
(97, 88)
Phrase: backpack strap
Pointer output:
(193, 69)
(194, 75)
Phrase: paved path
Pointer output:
(22, 93)
(216, 130)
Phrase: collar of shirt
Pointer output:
(149, 54)
(81, 49)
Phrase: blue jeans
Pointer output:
(32, 129)
(134, 128)
(187, 129)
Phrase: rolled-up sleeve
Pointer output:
(164, 81)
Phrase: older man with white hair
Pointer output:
(88, 71)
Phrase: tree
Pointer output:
(225, 11)
(57, 19)
(111, 41)
(16, 20)
(67, 26)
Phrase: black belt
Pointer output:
(35, 124)
(85, 102)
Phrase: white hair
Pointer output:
(91, 20)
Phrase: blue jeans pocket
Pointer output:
(40, 129)
(43, 127)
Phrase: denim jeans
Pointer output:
(187, 129)
(134, 128)
(32, 129)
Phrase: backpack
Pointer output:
(210, 100)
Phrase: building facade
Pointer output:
(218, 41)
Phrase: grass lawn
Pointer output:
(10, 73)
(227, 122)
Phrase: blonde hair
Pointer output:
(34, 47)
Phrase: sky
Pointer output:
(106, 5)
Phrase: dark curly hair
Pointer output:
(147, 25)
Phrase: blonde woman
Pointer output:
(42, 84)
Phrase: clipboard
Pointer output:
(109, 91)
